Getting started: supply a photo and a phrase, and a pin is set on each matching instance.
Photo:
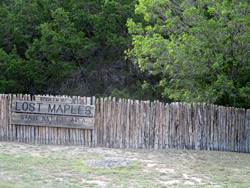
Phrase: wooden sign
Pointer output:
(53, 120)
(53, 108)
(53, 112)
(45, 99)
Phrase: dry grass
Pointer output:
(26, 166)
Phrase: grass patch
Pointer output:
(41, 166)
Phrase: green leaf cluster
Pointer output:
(45, 43)
(199, 49)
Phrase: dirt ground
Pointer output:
(42, 166)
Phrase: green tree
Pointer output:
(199, 49)
(69, 47)
(28, 64)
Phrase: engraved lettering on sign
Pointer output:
(53, 108)
(53, 112)
(53, 120)
(53, 99)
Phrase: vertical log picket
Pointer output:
(139, 124)
(247, 129)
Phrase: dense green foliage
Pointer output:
(191, 51)
(65, 47)
(200, 49)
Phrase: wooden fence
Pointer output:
(141, 124)
(41, 135)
